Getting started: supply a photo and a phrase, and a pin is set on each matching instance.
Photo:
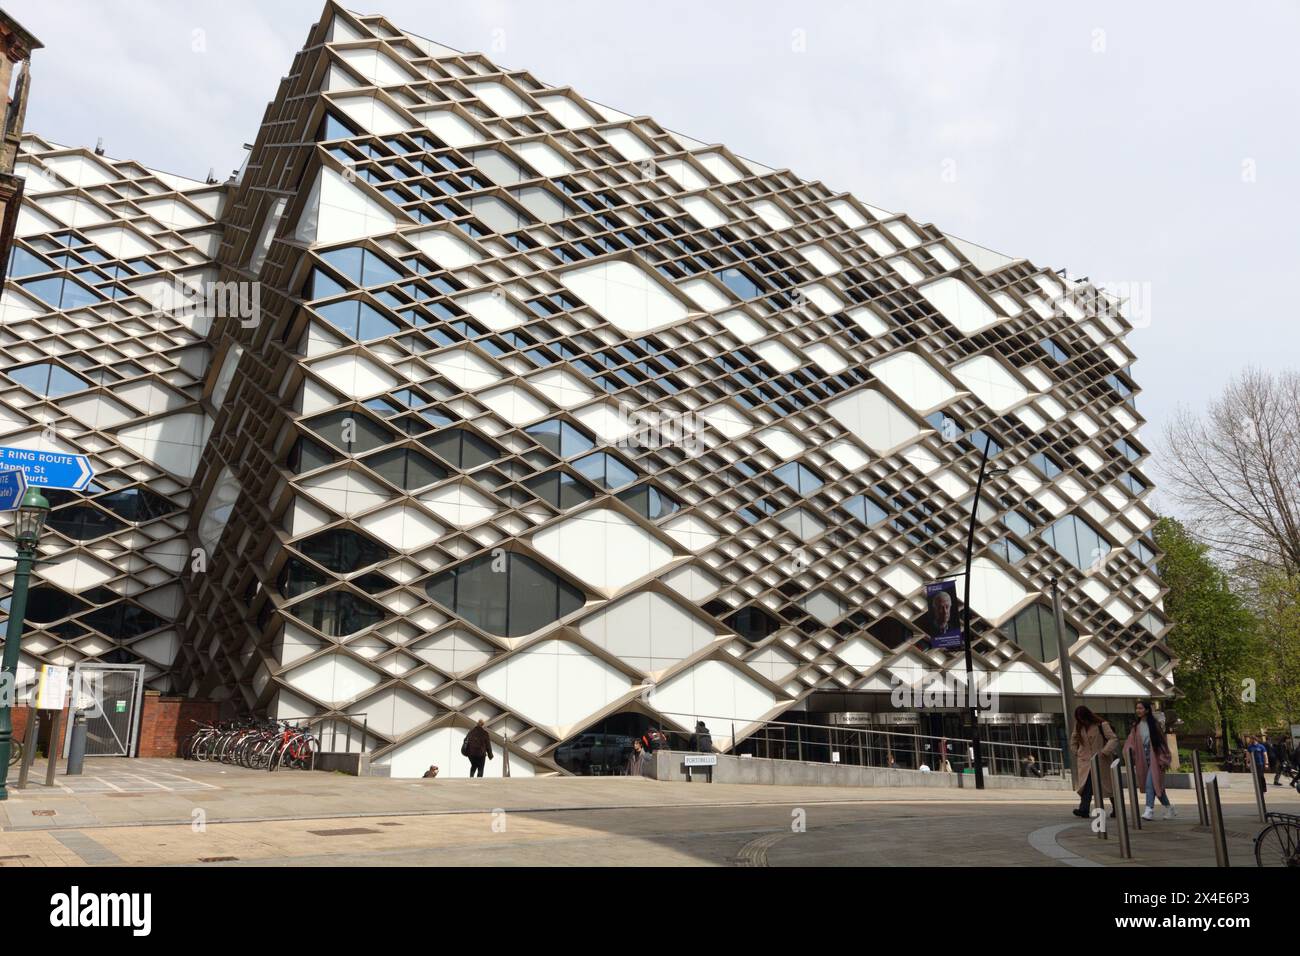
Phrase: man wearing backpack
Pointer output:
(478, 748)
(702, 740)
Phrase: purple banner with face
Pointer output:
(942, 620)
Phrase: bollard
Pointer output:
(29, 746)
(1216, 823)
(1121, 812)
(1098, 793)
(1133, 788)
(1257, 774)
(77, 747)
(1198, 783)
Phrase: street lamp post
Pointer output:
(1067, 681)
(971, 701)
(29, 521)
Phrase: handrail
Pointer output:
(838, 728)
(334, 730)
(866, 740)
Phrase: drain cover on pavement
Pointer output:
(343, 831)
(43, 813)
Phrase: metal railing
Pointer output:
(872, 747)
(328, 737)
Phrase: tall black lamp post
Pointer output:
(29, 521)
(971, 702)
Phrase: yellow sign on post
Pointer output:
(52, 687)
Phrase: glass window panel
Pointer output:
(48, 379)
(342, 550)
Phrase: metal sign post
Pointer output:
(707, 761)
(29, 746)
(52, 762)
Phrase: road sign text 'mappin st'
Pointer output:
(48, 469)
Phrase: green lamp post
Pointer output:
(29, 521)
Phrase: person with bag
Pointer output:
(1151, 758)
(701, 740)
(478, 748)
(1092, 735)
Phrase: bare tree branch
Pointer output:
(1235, 471)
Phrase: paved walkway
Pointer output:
(172, 812)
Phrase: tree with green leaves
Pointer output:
(1277, 608)
(1213, 633)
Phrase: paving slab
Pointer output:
(179, 813)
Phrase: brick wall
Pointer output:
(165, 722)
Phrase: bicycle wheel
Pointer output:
(1278, 845)
(15, 752)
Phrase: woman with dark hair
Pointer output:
(1151, 757)
(1092, 735)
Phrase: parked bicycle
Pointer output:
(1278, 844)
(255, 744)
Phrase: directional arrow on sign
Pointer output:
(48, 469)
(12, 486)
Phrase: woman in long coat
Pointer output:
(1092, 735)
(1146, 742)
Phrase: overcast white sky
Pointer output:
(1131, 142)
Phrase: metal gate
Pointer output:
(110, 695)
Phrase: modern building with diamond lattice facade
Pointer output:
(501, 404)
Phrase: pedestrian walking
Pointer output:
(1259, 757)
(1151, 758)
(478, 748)
(1092, 735)
(1281, 759)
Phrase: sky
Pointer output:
(1154, 146)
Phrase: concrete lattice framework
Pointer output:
(417, 481)
(98, 359)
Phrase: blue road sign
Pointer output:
(48, 469)
(12, 486)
